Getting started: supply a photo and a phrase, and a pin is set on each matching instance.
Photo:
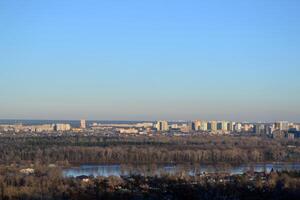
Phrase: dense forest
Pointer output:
(142, 149)
(47, 184)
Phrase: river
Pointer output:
(172, 169)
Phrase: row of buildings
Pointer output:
(228, 127)
(198, 125)
(36, 128)
(58, 127)
(213, 127)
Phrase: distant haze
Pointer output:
(146, 60)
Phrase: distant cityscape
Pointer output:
(279, 129)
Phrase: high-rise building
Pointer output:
(83, 124)
(282, 125)
(162, 126)
(203, 126)
(196, 125)
(224, 126)
(213, 126)
(259, 129)
(238, 127)
(269, 129)
(230, 126)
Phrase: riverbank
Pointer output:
(47, 183)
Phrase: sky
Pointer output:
(147, 60)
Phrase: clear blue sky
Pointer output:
(158, 59)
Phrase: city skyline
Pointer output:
(135, 60)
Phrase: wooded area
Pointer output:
(193, 149)
(47, 181)
(47, 184)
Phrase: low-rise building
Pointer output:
(128, 130)
(62, 127)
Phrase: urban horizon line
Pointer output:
(142, 120)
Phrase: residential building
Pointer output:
(260, 129)
(224, 126)
(62, 127)
(83, 124)
(196, 125)
(213, 126)
(204, 126)
(162, 126)
(238, 127)
(282, 125)
(230, 126)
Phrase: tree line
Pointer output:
(161, 149)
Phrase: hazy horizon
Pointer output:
(137, 60)
(77, 121)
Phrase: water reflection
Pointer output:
(159, 170)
